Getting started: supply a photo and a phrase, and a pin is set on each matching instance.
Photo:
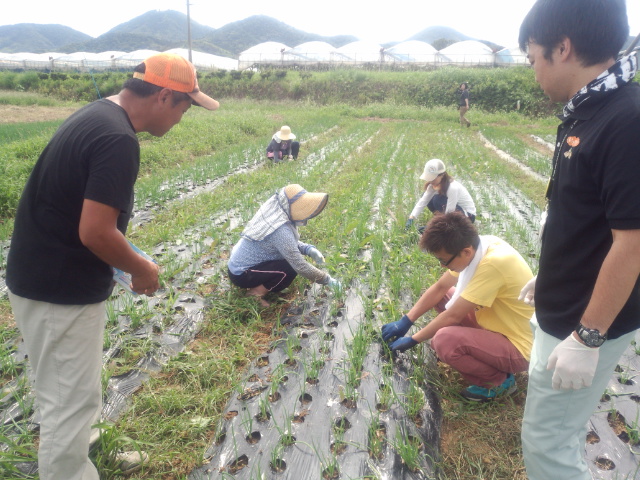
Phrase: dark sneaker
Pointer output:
(481, 394)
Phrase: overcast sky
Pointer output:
(494, 20)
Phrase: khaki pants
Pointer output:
(463, 121)
(64, 344)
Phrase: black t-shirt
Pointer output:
(464, 95)
(596, 189)
(94, 155)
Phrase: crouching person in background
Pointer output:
(482, 329)
(270, 254)
(442, 194)
(283, 145)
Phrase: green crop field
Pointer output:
(198, 186)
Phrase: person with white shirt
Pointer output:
(442, 193)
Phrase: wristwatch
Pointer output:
(590, 336)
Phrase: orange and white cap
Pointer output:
(169, 70)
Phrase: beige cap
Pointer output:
(432, 169)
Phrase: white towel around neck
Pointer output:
(467, 274)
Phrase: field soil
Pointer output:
(33, 113)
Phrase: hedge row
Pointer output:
(491, 89)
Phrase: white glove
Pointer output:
(543, 221)
(574, 363)
(526, 294)
(314, 253)
(333, 283)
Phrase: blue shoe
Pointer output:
(480, 394)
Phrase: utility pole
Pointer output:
(189, 31)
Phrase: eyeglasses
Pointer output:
(446, 264)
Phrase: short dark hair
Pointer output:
(145, 89)
(597, 29)
(450, 232)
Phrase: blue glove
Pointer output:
(396, 329)
(315, 254)
(409, 224)
(402, 344)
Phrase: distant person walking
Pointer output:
(463, 104)
(283, 145)
(69, 232)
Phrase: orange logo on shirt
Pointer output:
(573, 141)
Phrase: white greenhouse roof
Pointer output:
(465, 53)
(469, 52)
(411, 51)
(206, 61)
(28, 60)
(267, 52)
(511, 56)
(109, 60)
(310, 52)
(132, 59)
(360, 51)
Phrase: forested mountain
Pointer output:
(163, 30)
(238, 36)
(38, 38)
(159, 30)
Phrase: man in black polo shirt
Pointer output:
(587, 293)
(69, 233)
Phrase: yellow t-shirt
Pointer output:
(495, 287)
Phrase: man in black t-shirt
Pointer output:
(69, 233)
(587, 292)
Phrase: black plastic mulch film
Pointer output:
(311, 430)
(613, 438)
(317, 415)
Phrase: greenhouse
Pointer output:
(267, 52)
(412, 51)
(511, 56)
(310, 52)
(276, 54)
(111, 60)
(467, 53)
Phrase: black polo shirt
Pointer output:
(596, 188)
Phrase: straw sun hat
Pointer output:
(304, 205)
(285, 133)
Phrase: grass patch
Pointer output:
(480, 440)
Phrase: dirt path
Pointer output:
(33, 113)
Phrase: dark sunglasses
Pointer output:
(446, 264)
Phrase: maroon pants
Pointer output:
(482, 357)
